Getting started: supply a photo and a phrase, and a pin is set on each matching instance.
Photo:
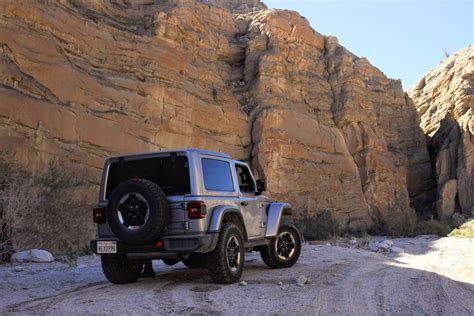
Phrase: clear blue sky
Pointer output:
(403, 38)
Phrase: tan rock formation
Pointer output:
(82, 80)
(333, 124)
(238, 6)
(445, 101)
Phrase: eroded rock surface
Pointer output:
(445, 100)
(82, 80)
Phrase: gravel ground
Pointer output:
(432, 276)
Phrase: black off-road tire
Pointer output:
(119, 269)
(195, 260)
(269, 253)
(170, 262)
(159, 213)
(217, 262)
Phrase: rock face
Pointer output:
(82, 80)
(445, 101)
(238, 6)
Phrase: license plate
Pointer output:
(106, 247)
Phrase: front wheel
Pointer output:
(284, 249)
(119, 269)
(226, 262)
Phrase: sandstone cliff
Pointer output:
(445, 101)
(82, 80)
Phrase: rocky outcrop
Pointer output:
(83, 80)
(444, 99)
(330, 129)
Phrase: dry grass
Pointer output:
(50, 210)
(466, 230)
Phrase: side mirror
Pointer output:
(261, 185)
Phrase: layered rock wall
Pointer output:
(84, 80)
(445, 101)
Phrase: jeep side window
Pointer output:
(246, 184)
(217, 175)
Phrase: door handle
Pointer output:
(244, 203)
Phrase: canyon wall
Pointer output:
(82, 80)
(444, 98)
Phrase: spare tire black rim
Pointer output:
(133, 211)
(285, 246)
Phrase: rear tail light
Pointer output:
(98, 215)
(196, 209)
(159, 244)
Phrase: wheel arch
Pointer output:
(226, 214)
(275, 212)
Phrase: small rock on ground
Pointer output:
(302, 280)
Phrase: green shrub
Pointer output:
(319, 226)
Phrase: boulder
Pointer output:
(383, 246)
(34, 255)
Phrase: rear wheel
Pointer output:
(170, 262)
(120, 270)
(195, 260)
(284, 249)
(226, 261)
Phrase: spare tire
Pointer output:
(137, 211)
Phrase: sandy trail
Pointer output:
(433, 276)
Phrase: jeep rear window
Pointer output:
(171, 173)
(217, 175)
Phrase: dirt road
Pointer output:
(433, 276)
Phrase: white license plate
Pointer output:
(106, 247)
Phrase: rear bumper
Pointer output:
(173, 246)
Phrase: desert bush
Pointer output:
(432, 227)
(48, 210)
(395, 223)
(319, 226)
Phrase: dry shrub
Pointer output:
(433, 227)
(319, 226)
(395, 223)
(50, 210)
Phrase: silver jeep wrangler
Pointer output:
(196, 206)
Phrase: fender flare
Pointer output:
(218, 214)
(275, 212)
